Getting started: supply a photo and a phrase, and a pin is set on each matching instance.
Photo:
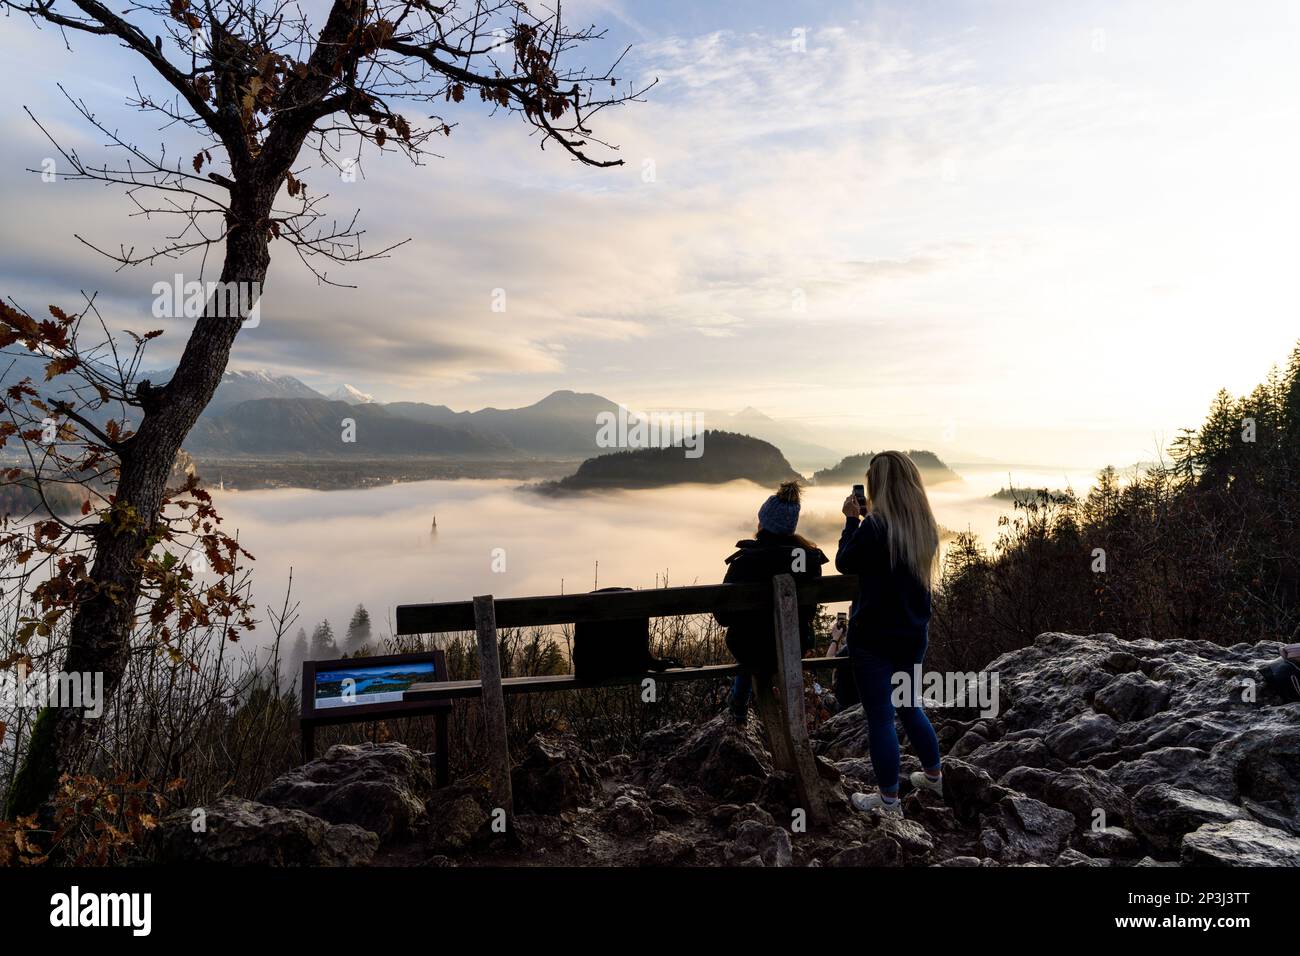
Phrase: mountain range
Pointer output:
(265, 413)
(260, 414)
(247, 386)
(561, 425)
(318, 427)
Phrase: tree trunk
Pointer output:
(102, 623)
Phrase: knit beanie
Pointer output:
(780, 513)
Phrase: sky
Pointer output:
(1039, 232)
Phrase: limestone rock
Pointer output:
(666, 849)
(1162, 814)
(1073, 857)
(1020, 829)
(1081, 736)
(1009, 753)
(1132, 697)
(1109, 842)
(1240, 843)
(968, 789)
(1082, 792)
(770, 844)
(247, 833)
(723, 759)
(457, 815)
(555, 775)
(880, 852)
(379, 787)
(626, 815)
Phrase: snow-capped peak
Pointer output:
(253, 375)
(353, 396)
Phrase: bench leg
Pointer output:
(493, 704)
(790, 686)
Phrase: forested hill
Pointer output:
(853, 468)
(726, 457)
(1204, 547)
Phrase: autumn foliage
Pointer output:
(84, 449)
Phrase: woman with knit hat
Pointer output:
(776, 548)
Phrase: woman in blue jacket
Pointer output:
(893, 549)
(776, 548)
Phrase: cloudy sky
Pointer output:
(1049, 230)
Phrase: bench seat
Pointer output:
(456, 689)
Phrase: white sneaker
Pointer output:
(866, 802)
(923, 782)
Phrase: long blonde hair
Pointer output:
(896, 493)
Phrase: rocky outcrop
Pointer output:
(458, 815)
(379, 787)
(1102, 752)
(888, 841)
(1163, 814)
(753, 843)
(235, 832)
(719, 756)
(554, 775)
(1084, 792)
(1184, 730)
(1141, 743)
(1131, 697)
(1239, 843)
(1020, 829)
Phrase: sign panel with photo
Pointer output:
(369, 683)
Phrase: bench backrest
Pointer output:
(615, 605)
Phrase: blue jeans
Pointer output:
(873, 672)
(741, 690)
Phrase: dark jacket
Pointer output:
(892, 603)
(751, 635)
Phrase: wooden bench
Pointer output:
(782, 711)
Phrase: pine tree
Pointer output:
(323, 645)
(1219, 439)
(1104, 498)
(297, 655)
(358, 631)
(1289, 440)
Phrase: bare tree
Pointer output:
(263, 84)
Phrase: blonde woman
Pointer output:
(893, 549)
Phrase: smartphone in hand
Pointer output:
(860, 493)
